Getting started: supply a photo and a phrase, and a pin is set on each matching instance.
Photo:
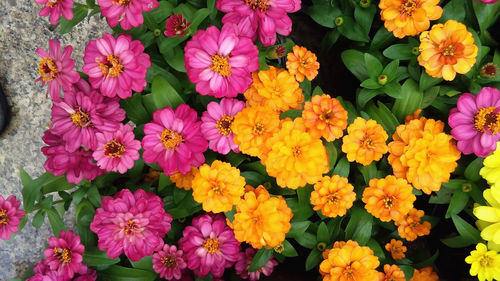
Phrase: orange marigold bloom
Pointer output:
(350, 262)
(302, 62)
(410, 226)
(218, 186)
(261, 220)
(389, 198)
(447, 49)
(396, 248)
(424, 274)
(365, 141)
(333, 196)
(325, 117)
(409, 17)
(295, 158)
(184, 180)
(392, 273)
(252, 127)
(275, 89)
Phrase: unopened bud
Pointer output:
(276, 52)
(466, 187)
(339, 21)
(489, 70)
(157, 32)
(321, 246)
(365, 3)
(415, 51)
(382, 79)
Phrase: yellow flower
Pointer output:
(410, 226)
(485, 264)
(184, 180)
(302, 62)
(325, 117)
(491, 168)
(365, 141)
(333, 196)
(447, 49)
(396, 248)
(295, 158)
(275, 89)
(489, 216)
(424, 274)
(218, 187)
(261, 220)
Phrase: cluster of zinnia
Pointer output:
(10, 216)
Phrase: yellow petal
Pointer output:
(448, 72)
(461, 66)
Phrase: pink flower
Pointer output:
(78, 117)
(116, 66)
(169, 262)
(176, 26)
(86, 275)
(488, 1)
(126, 12)
(174, 140)
(264, 18)
(44, 273)
(217, 121)
(209, 245)
(55, 8)
(64, 254)
(134, 224)
(243, 264)
(118, 150)
(10, 216)
(77, 164)
(57, 68)
(220, 63)
(475, 122)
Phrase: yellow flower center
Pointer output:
(63, 255)
(296, 151)
(487, 120)
(333, 198)
(4, 219)
(211, 245)
(224, 125)
(80, 118)
(325, 116)
(220, 65)
(262, 5)
(169, 261)
(486, 261)
(52, 3)
(111, 66)
(129, 227)
(258, 129)
(367, 142)
(349, 272)
(47, 69)
(389, 202)
(114, 149)
(408, 7)
(171, 139)
(217, 190)
(449, 51)
(122, 2)
(279, 249)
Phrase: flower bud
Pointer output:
(489, 70)
(365, 3)
(276, 52)
(382, 79)
(339, 21)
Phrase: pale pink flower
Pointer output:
(10, 216)
(56, 8)
(126, 12)
(169, 262)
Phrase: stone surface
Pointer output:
(21, 32)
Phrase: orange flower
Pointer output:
(396, 248)
(302, 62)
(392, 273)
(218, 186)
(389, 198)
(325, 117)
(424, 274)
(365, 141)
(333, 196)
(410, 227)
(261, 220)
(184, 180)
(350, 262)
(409, 17)
(275, 89)
(446, 50)
(152, 175)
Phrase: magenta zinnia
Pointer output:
(220, 62)
(243, 264)
(56, 69)
(56, 8)
(126, 12)
(116, 66)
(10, 216)
(475, 122)
(217, 122)
(64, 254)
(169, 262)
(174, 140)
(209, 245)
(176, 26)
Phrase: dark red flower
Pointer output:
(176, 25)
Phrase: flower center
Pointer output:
(449, 51)
(217, 189)
(487, 120)
(296, 151)
(325, 116)
(224, 125)
(129, 227)
(367, 142)
(211, 245)
(220, 65)
(261, 5)
(80, 118)
(47, 69)
(333, 198)
(4, 219)
(408, 7)
(122, 2)
(389, 202)
(171, 139)
(279, 248)
(63, 255)
(258, 129)
(349, 272)
(52, 3)
(169, 261)
(112, 65)
(114, 149)
(485, 261)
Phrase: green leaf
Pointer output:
(427, 81)
(289, 250)
(360, 224)
(443, 196)
(410, 101)
(429, 261)
(393, 89)
(399, 51)
(371, 83)
(260, 259)
(391, 69)
(56, 221)
(324, 14)
(332, 153)
(235, 158)
(364, 17)
(179, 195)
(200, 15)
(94, 196)
(230, 214)
(354, 61)
(429, 96)
(30, 191)
(383, 116)
(323, 235)
(457, 242)
(79, 13)
(408, 271)
(120, 273)
(135, 109)
(306, 88)
(352, 30)
(457, 203)
(163, 182)
(317, 91)
(164, 94)
(373, 66)
(84, 216)
(38, 219)
(365, 95)
(300, 211)
(486, 14)
(55, 183)
(146, 263)
(369, 172)
(466, 230)
(304, 194)
(377, 249)
(253, 178)
(342, 168)
(298, 228)
(472, 171)
(382, 38)
(292, 113)
(306, 240)
(175, 58)
(454, 10)
(313, 259)
(168, 43)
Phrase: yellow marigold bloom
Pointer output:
(261, 220)
(485, 264)
(409, 17)
(184, 180)
(389, 198)
(365, 141)
(295, 158)
(491, 168)
(302, 62)
(218, 186)
(351, 260)
(489, 216)
(275, 89)
(396, 248)
(392, 273)
(252, 127)
(447, 49)
(410, 226)
(325, 117)
(424, 274)
(333, 196)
